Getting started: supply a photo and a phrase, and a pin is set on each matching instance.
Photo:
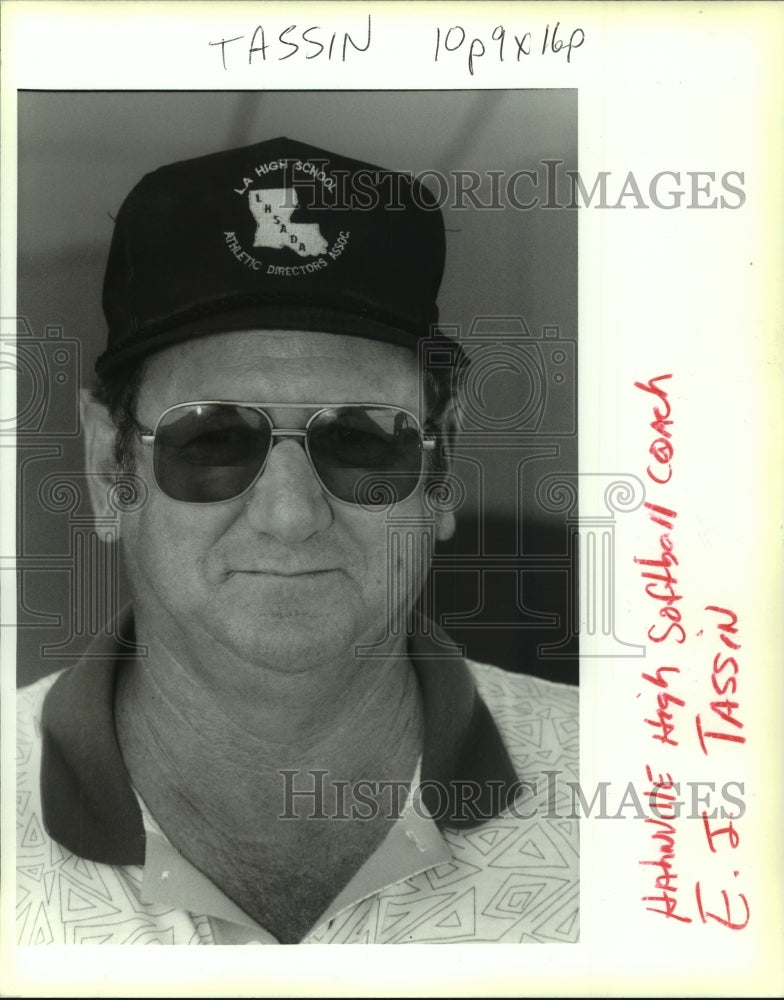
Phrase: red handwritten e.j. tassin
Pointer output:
(724, 681)
(668, 633)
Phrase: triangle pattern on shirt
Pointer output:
(33, 836)
(355, 929)
(529, 847)
(22, 914)
(32, 871)
(522, 893)
(488, 840)
(535, 843)
(42, 931)
(565, 928)
(453, 871)
(78, 902)
(151, 934)
(49, 885)
(457, 923)
(24, 751)
(86, 873)
(57, 854)
(520, 898)
(528, 731)
(397, 916)
(87, 935)
(559, 916)
(568, 727)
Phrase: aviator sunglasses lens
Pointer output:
(207, 452)
(211, 452)
(366, 455)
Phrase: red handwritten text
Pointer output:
(661, 799)
(664, 699)
(663, 586)
(725, 684)
(661, 448)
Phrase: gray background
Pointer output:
(81, 153)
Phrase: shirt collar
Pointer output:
(90, 807)
(412, 845)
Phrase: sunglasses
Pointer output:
(211, 451)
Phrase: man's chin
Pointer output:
(294, 643)
(302, 644)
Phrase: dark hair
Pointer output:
(442, 389)
(119, 393)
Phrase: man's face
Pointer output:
(284, 574)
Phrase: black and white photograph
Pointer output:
(390, 533)
(332, 705)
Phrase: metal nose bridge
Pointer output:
(287, 432)
(278, 434)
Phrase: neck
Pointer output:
(218, 750)
(232, 786)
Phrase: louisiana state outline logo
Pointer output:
(279, 239)
(272, 209)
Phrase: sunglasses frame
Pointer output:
(147, 438)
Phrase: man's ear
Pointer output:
(445, 517)
(99, 433)
(445, 526)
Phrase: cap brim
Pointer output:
(259, 317)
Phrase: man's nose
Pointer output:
(287, 501)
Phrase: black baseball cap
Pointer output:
(277, 235)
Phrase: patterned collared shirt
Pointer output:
(94, 867)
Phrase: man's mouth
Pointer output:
(283, 572)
